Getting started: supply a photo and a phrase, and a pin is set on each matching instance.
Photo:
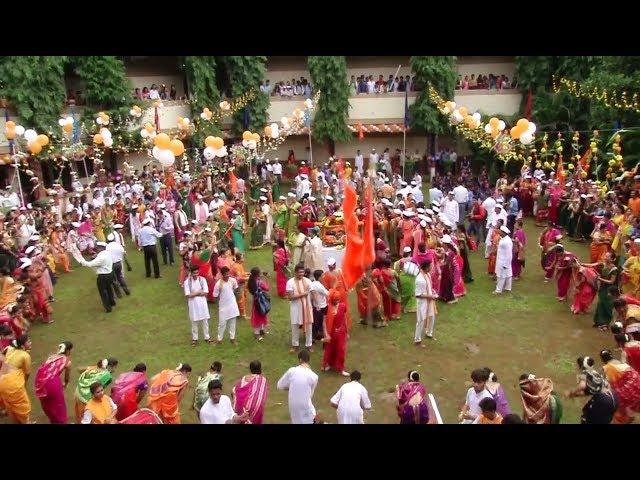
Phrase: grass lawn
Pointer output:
(528, 330)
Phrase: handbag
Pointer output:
(263, 302)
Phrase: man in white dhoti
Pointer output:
(301, 383)
(298, 289)
(450, 208)
(503, 261)
(195, 289)
(425, 304)
(224, 292)
(312, 255)
(266, 209)
(351, 400)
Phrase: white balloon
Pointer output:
(526, 138)
(477, 117)
(209, 153)
(105, 133)
(99, 120)
(186, 121)
(167, 158)
(156, 152)
(61, 122)
(532, 128)
(251, 144)
(456, 117)
(488, 128)
(284, 121)
(203, 116)
(108, 142)
(275, 130)
(308, 103)
(144, 133)
(132, 112)
(501, 125)
(69, 120)
(30, 135)
(19, 130)
(222, 152)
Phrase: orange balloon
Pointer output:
(68, 127)
(10, 125)
(267, 131)
(148, 127)
(523, 124)
(256, 137)
(463, 111)
(162, 141)
(10, 133)
(247, 135)
(516, 132)
(495, 133)
(35, 147)
(494, 122)
(42, 139)
(176, 147)
(210, 141)
(217, 143)
(97, 138)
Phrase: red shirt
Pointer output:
(478, 213)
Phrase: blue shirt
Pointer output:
(513, 206)
(147, 236)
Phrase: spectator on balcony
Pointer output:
(465, 83)
(287, 91)
(371, 85)
(362, 85)
(353, 86)
(173, 93)
(276, 89)
(492, 81)
(263, 87)
(359, 162)
(308, 89)
(407, 82)
(380, 85)
(153, 93)
(71, 98)
(145, 93)
(473, 83)
(137, 93)
(299, 88)
(163, 92)
(459, 83)
(402, 86)
(391, 84)
(514, 83)
(505, 82)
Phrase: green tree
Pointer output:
(247, 73)
(203, 92)
(329, 76)
(107, 87)
(35, 87)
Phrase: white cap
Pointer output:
(75, 224)
(208, 229)
(13, 209)
(162, 205)
(446, 239)
(199, 197)
(29, 250)
(428, 220)
(194, 222)
(29, 206)
(57, 224)
(505, 230)
(263, 190)
(35, 236)
(146, 220)
(423, 223)
(263, 198)
(637, 240)
(429, 211)
(331, 261)
(583, 196)
(25, 262)
(328, 197)
(117, 226)
(420, 210)
(111, 237)
(407, 213)
(302, 163)
(436, 209)
(101, 244)
(436, 203)
(22, 209)
(312, 199)
(282, 197)
(187, 232)
(406, 249)
(216, 194)
(291, 194)
(235, 212)
(397, 211)
(413, 183)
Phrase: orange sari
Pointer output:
(598, 250)
(165, 393)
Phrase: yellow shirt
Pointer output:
(18, 358)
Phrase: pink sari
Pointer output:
(280, 261)
(49, 390)
(124, 383)
(458, 283)
(586, 290)
(144, 416)
(251, 396)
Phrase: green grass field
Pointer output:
(528, 330)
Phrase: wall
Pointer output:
(141, 81)
(490, 102)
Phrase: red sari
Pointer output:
(280, 261)
(202, 259)
(586, 290)
(565, 275)
(387, 282)
(250, 396)
(335, 350)
(257, 319)
(632, 352)
(125, 393)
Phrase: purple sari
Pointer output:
(412, 403)
(516, 263)
(502, 404)
(251, 397)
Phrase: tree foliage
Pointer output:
(246, 73)
(329, 76)
(203, 92)
(35, 87)
(107, 87)
(441, 73)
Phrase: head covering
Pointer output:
(29, 250)
(263, 190)
(420, 210)
(75, 224)
(117, 226)
(406, 250)
(235, 212)
(331, 261)
(291, 194)
(446, 239)
(282, 197)
(312, 199)
(162, 205)
(505, 230)
(423, 223)
(429, 211)
(263, 198)
(187, 232)
(25, 262)
(111, 237)
(101, 244)
(146, 220)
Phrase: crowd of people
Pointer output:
(422, 251)
(292, 88)
(156, 93)
(485, 82)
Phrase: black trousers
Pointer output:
(105, 289)
(118, 278)
(318, 317)
(166, 245)
(151, 255)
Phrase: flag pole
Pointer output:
(310, 149)
(404, 150)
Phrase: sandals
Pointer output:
(194, 343)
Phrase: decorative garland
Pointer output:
(612, 99)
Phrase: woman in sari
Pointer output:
(404, 269)
(608, 280)
(129, 390)
(493, 241)
(102, 372)
(17, 355)
(240, 274)
(631, 276)
(386, 280)
(250, 394)
(497, 392)
(258, 226)
(13, 394)
(56, 241)
(459, 289)
(38, 291)
(586, 281)
(549, 255)
(166, 390)
(237, 232)
(413, 407)
(519, 244)
(625, 382)
(463, 246)
(565, 263)
(336, 333)
(259, 321)
(369, 303)
(86, 240)
(201, 392)
(542, 204)
(630, 346)
(281, 266)
(447, 277)
(49, 387)
(601, 243)
(541, 405)
(601, 407)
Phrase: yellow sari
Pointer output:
(631, 277)
(13, 395)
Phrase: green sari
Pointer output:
(202, 390)
(186, 204)
(238, 235)
(604, 310)
(87, 378)
(292, 223)
(407, 287)
(281, 216)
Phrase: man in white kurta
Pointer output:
(425, 305)
(228, 311)
(313, 252)
(351, 400)
(195, 289)
(450, 208)
(301, 312)
(266, 209)
(301, 383)
(503, 261)
(298, 246)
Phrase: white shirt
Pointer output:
(198, 308)
(180, 218)
(451, 209)
(359, 161)
(304, 187)
(461, 194)
(351, 398)
(373, 160)
(277, 168)
(473, 401)
(153, 94)
(301, 383)
(435, 194)
(503, 257)
(417, 194)
(228, 305)
(116, 251)
(101, 264)
(371, 86)
(295, 306)
(489, 205)
(216, 413)
(319, 295)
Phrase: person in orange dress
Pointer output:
(56, 241)
(240, 274)
(166, 390)
(369, 303)
(336, 334)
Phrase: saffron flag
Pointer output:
(360, 132)
(585, 160)
(368, 252)
(233, 182)
(359, 251)
(560, 176)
